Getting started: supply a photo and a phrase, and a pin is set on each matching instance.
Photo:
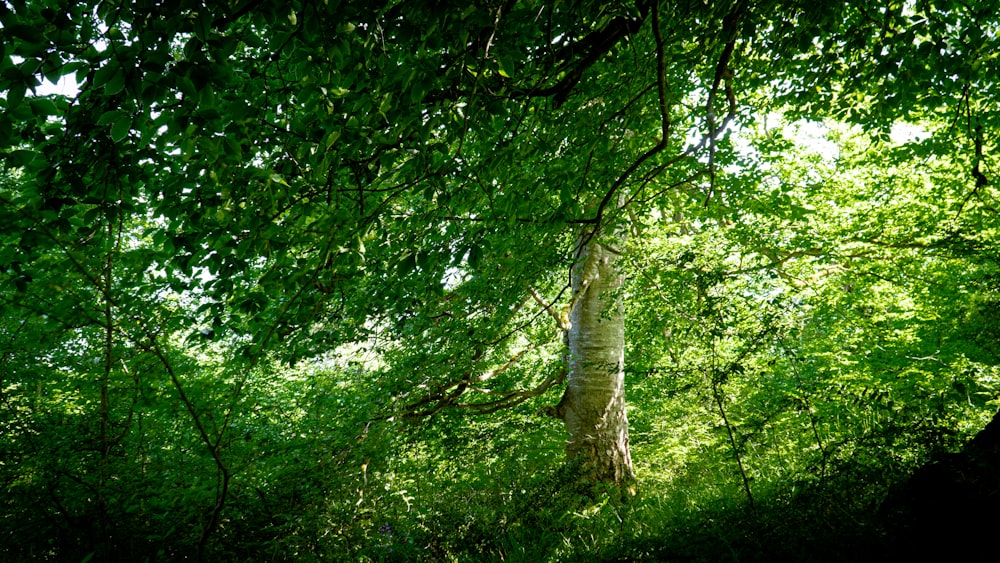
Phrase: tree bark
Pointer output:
(593, 406)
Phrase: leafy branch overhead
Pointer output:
(311, 150)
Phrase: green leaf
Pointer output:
(15, 94)
(111, 116)
(406, 265)
(115, 85)
(427, 260)
(475, 256)
(332, 138)
(21, 157)
(121, 127)
(43, 107)
(106, 74)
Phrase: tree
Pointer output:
(439, 175)
(593, 406)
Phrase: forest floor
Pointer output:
(946, 511)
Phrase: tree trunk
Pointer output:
(593, 406)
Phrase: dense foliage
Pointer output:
(282, 280)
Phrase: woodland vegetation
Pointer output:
(423, 280)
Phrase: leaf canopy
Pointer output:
(311, 174)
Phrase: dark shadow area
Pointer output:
(948, 509)
(945, 511)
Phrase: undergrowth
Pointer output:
(311, 481)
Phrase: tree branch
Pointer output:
(723, 77)
(594, 46)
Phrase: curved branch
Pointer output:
(723, 76)
(594, 46)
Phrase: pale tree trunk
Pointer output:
(593, 406)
